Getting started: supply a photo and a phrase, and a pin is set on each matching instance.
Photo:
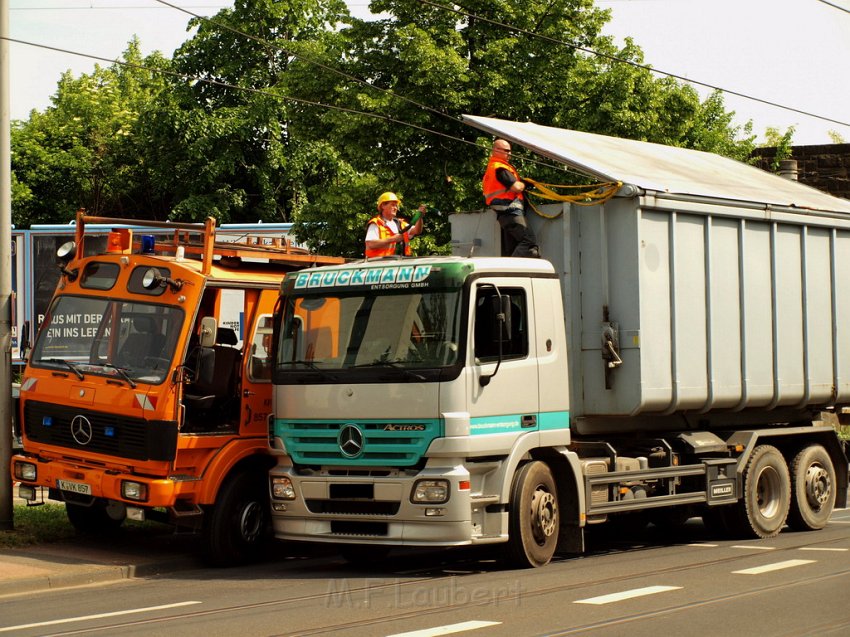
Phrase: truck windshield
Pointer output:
(126, 340)
(368, 335)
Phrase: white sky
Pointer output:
(792, 52)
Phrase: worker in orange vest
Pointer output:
(504, 192)
(387, 235)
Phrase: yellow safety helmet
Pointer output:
(388, 196)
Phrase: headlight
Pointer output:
(25, 471)
(282, 489)
(134, 490)
(430, 491)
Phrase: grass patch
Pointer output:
(37, 525)
(48, 523)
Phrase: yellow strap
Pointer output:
(588, 195)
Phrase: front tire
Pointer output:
(534, 517)
(812, 489)
(237, 526)
(766, 501)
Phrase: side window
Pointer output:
(260, 368)
(489, 332)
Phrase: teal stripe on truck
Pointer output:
(394, 443)
(507, 423)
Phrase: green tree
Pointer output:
(783, 142)
(426, 66)
(84, 150)
(222, 139)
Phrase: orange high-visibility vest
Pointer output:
(495, 189)
(384, 232)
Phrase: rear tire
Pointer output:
(812, 489)
(534, 517)
(766, 501)
(237, 526)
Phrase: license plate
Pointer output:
(74, 487)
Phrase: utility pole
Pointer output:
(6, 508)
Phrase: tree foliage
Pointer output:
(292, 110)
(86, 150)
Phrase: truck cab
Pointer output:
(142, 397)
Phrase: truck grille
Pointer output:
(100, 433)
(353, 507)
(383, 444)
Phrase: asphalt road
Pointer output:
(649, 584)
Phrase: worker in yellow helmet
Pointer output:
(387, 235)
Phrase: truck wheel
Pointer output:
(767, 495)
(101, 518)
(236, 527)
(534, 518)
(812, 489)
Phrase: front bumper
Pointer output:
(81, 481)
(377, 510)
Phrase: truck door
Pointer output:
(257, 374)
(506, 400)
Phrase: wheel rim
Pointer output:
(543, 515)
(251, 522)
(769, 492)
(818, 486)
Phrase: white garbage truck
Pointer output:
(667, 358)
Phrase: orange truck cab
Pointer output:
(148, 392)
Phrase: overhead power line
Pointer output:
(835, 6)
(193, 78)
(614, 58)
(276, 95)
(321, 65)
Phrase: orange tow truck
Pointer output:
(147, 394)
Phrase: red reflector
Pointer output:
(463, 485)
(113, 242)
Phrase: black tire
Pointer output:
(100, 518)
(364, 554)
(534, 517)
(812, 489)
(237, 527)
(766, 501)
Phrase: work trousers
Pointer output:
(518, 240)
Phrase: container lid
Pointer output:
(659, 168)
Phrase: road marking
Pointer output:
(69, 620)
(839, 521)
(619, 597)
(701, 544)
(814, 548)
(754, 547)
(447, 630)
(776, 566)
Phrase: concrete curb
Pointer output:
(66, 575)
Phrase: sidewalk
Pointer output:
(89, 560)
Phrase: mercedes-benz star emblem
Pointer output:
(81, 430)
(350, 441)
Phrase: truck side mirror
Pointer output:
(504, 317)
(209, 329)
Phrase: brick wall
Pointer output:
(825, 167)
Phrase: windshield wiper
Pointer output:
(67, 364)
(122, 373)
(310, 365)
(394, 364)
